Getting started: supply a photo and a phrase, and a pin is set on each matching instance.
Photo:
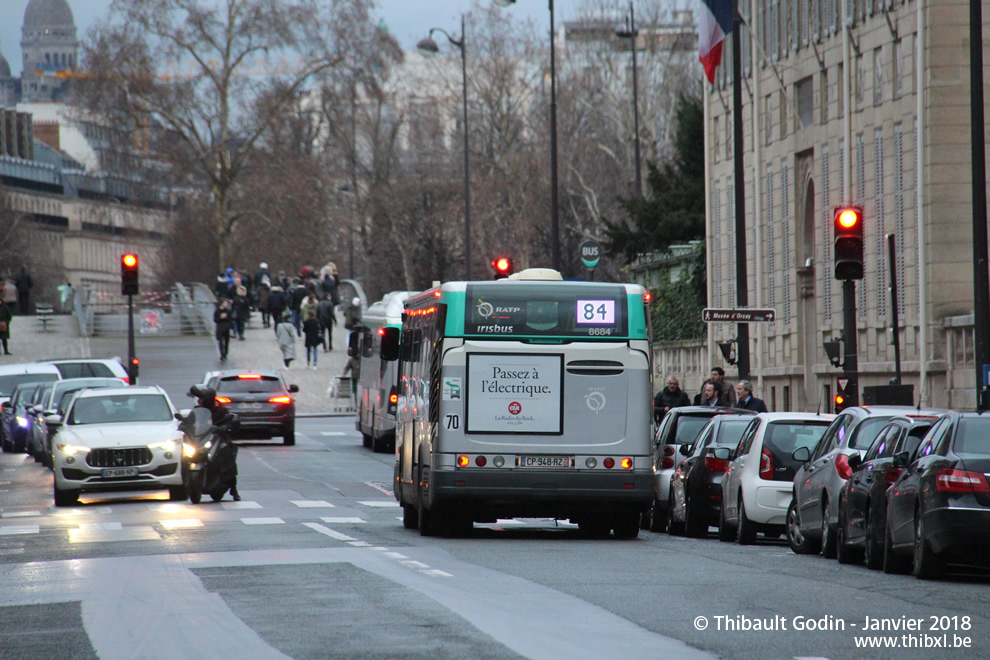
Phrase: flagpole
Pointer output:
(742, 287)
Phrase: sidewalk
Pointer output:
(259, 350)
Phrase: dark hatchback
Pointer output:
(695, 499)
(938, 510)
(19, 418)
(262, 402)
(863, 500)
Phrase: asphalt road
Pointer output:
(315, 562)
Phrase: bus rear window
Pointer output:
(529, 309)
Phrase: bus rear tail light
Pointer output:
(949, 480)
(463, 461)
(609, 462)
(666, 464)
(766, 465)
(481, 461)
(626, 463)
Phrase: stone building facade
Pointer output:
(860, 102)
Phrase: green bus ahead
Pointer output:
(527, 397)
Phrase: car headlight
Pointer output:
(168, 445)
(22, 421)
(71, 449)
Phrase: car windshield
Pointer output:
(120, 408)
(867, 432)
(67, 393)
(973, 436)
(10, 381)
(241, 385)
(688, 428)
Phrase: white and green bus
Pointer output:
(528, 397)
(375, 413)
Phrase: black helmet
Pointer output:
(206, 396)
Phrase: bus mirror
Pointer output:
(390, 344)
(354, 345)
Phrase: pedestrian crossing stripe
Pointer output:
(381, 504)
(6, 530)
(181, 524)
(20, 514)
(262, 521)
(343, 520)
(240, 505)
(313, 504)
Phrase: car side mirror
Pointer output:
(7, 404)
(53, 420)
(685, 450)
(901, 459)
(855, 461)
(723, 453)
(801, 454)
(293, 388)
(179, 416)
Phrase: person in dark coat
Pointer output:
(277, 302)
(6, 318)
(224, 318)
(297, 293)
(746, 400)
(725, 390)
(263, 287)
(710, 397)
(242, 311)
(23, 284)
(327, 319)
(313, 331)
(671, 396)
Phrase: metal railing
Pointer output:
(174, 312)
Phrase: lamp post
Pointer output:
(633, 35)
(428, 45)
(554, 222)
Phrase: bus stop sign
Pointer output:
(590, 253)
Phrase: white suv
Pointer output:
(758, 486)
(90, 368)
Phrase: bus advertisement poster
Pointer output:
(519, 393)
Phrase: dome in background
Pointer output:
(48, 13)
(4, 67)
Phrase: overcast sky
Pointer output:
(408, 20)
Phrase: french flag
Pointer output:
(714, 23)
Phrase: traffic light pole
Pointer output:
(131, 375)
(850, 362)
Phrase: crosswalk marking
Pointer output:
(312, 504)
(332, 433)
(436, 572)
(19, 529)
(326, 531)
(343, 520)
(20, 514)
(169, 507)
(395, 555)
(101, 527)
(181, 524)
(94, 535)
(381, 504)
(240, 505)
(412, 563)
(262, 521)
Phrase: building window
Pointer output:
(793, 17)
(840, 91)
(785, 243)
(816, 20)
(899, 214)
(729, 136)
(880, 248)
(768, 118)
(877, 76)
(861, 200)
(896, 69)
(715, 139)
(824, 95)
(860, 82)
(782, 106)
(804, 25)
(826, 238)
(804, 90)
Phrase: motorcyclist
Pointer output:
(206, 397)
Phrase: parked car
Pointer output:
(123, 438)
(759, 479)
(696, 488)
(938, 510)
(679, 426)
(813, 516)
(90, 368)
(52, 400)
(20, 418)
(863, 500)
(262, 402)
(12, 375)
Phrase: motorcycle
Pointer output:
(209, 457)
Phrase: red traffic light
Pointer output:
(848, 218)
(839, 399)
(129, 260)
(847, 232)
(129, 274)
(502, 266)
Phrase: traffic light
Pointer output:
(502, 266)
(129, 274)
(841, 399)
(133, 369)
(847, 227)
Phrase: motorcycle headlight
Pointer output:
(71, 449)
(188, 450)
(168, 445)
(22, 421)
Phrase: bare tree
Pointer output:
(213, 76)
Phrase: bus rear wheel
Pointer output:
(597, 527)
(625, 525)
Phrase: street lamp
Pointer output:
(554, 223)
(632, 34)
(428, 46)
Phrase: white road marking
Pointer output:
(360, 544)
(18, 529)
(240, 505)
(436, 572)
(326, 531)
(381, 504)
(395, 555)
(262, 521)
(412, 563)
(332, 433)
(312, 504)
(181, 524)
(343, 520)
(11, 551)
(169, 507)
(101, 527)
(381, 488)
(4, 483)
(20, 514)
(136, 533)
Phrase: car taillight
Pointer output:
(713, 464)
(842, 466)
(890, 476)
(222, 399)
(280, 399)
(666, 464)
(766, 465)
(950, 480)
(249, 376)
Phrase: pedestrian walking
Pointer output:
(242, 311)
(710, 397)
(9, 295)
(325, 315)
(224, 319)
(262, 288)
(313, 332)
(329, 282)
(725, 390)
(277, 303)
(23, 283)
(352, 315)
(744, 391)
(285, 332)
(6, 317)
(671, 396)
(297, 293)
